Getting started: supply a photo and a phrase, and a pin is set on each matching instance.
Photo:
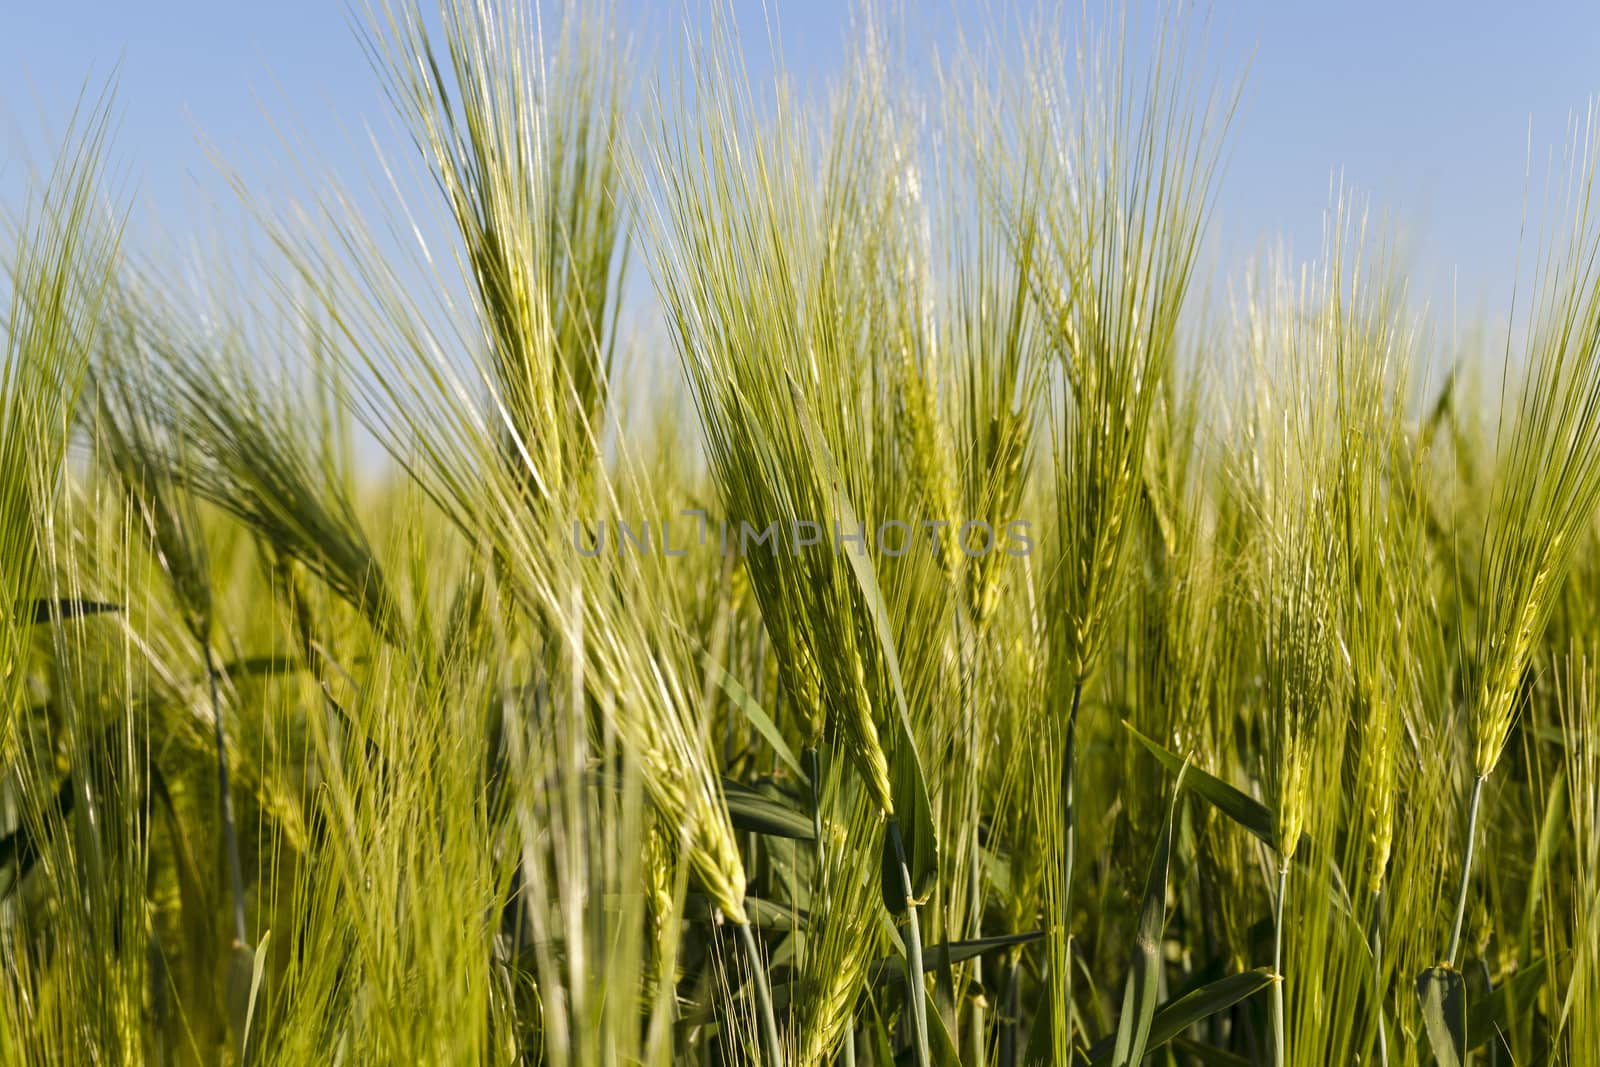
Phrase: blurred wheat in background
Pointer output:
(1264, 732)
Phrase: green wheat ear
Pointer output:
(60, 275)
(498, 802)
(525, 150)
(1548, 480)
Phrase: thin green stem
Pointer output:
(813, 765)
(230, 837)
(758, 976)
(1061, 942)
(814, 772)
(1279, 1042)
(977, 1052)
(1466, 871)
(916, 993)
(1377, 975)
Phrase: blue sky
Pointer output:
(1425, 107)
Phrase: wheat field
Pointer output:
(968, 640)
